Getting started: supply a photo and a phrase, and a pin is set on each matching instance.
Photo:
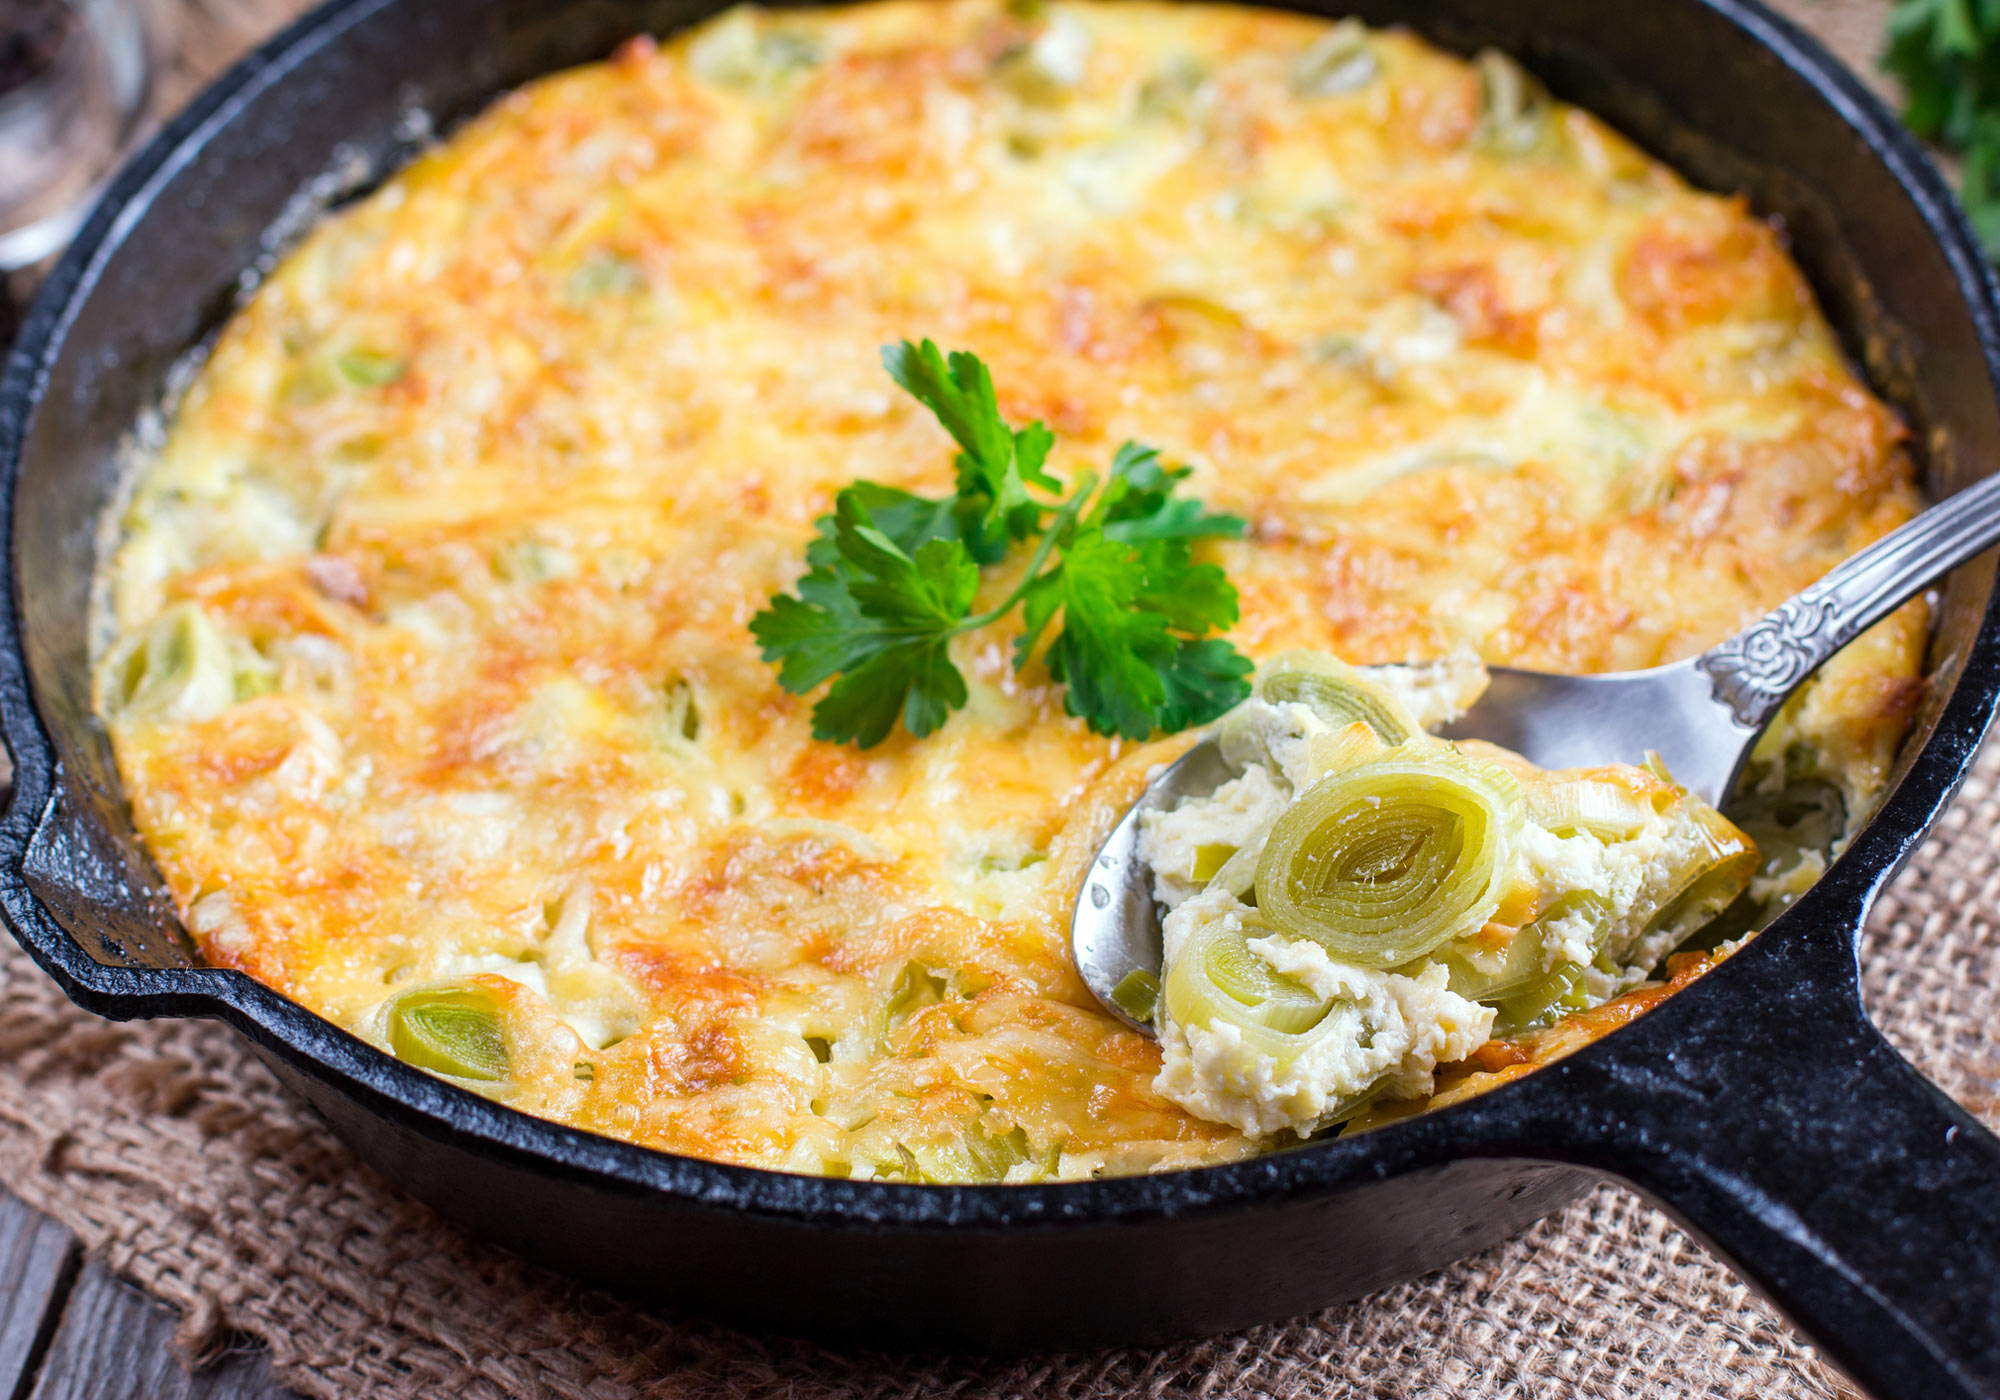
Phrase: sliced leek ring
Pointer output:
(1137, 994)
(1486, 976)
(181, 668)
(1516, 117)
(456, 1031)
(1209, 859)
(1336, 692)
(1530, 1006)
(1216, 978)
(976, 1158)
(1238, 874)
(1385, 862)
(1520, 969)
(1611, 811)
(1525, 1003)
(1709, 883)
(1339, 62)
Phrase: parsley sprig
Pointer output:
(1111, 581)
(1947, 55)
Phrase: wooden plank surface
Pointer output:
(112, 1343)
(38, 1261)
(69, 1330)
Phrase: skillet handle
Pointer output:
(1771, 1117)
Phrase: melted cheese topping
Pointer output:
(428, 654)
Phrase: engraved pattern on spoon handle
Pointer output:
(1754, 671)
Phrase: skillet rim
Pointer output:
(408, 1099)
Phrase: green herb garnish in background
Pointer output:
(1946, 53)
(1111, 581)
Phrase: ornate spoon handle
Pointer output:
(1755, 670)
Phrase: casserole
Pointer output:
(1759, 1106)
(429, 646)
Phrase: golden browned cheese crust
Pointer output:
(481, 488)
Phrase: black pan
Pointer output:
(1760, 1107)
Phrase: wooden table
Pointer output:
(71, 1331)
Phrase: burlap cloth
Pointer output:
(172, 1152)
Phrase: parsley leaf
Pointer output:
(996, 465)
(917, 684)
(1947, 55)
(892, 577)
(881, 615)
(908, 519)
(1208, 679)
(1137, 502)
(1129, 647)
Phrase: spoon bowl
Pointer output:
(1702, 716)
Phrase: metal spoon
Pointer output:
(1701, 715)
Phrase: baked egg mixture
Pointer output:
(424, 637)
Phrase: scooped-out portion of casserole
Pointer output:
(425, 629)
(1363, 902)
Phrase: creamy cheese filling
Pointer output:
(1387, 1032)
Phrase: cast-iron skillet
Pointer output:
(1760, 1106)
